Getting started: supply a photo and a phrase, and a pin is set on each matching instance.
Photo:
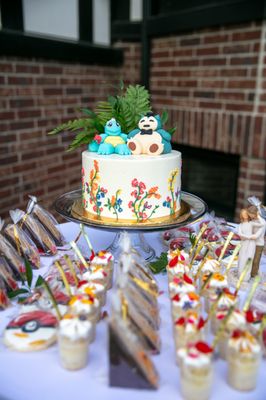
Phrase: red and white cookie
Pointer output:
(31, 331)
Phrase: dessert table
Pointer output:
(38, 375)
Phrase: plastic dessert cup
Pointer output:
(74, 336)
(196, 374)
(243, 356)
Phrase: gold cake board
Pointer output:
(69, 205)
(78, 211)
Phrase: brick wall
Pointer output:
(214, 84)
(36, 96)
(212, 81)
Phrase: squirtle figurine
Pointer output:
(111, 141)
(150, 138)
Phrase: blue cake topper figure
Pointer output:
(111, 141)
(150, 138)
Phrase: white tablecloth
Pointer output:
(26, 376)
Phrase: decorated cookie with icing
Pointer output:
(31, 331)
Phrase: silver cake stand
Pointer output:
(69, 206)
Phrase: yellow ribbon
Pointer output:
(124, 308)
(62, 273)
(203, 229)
(78, 253)
(82, 229)
(233, 256)
(17, 240)
(25, 216)
(262, 327)
(199, 248)
(214, 306)
(243, 274)
(72, 269)
(203, 261)
(144, 285)
(229, 237)
(222, 326)
(206, 283)
(251, 293)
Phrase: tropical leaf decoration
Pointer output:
(127, 107)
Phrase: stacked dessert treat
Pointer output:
(204, 307)
(134, 324)
(65, 306)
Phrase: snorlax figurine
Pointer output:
(111, 141)
(150, 138)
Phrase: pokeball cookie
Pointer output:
(31, 331)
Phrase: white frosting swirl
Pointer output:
(236, 320)
(103, 259)
(95, 274)
(184, 257)
(192, 357)
(210, 265)
(185, 301)
(181, 287)
(245, 344)
(75, 328)
(81, 305)
(96, 287)
(178, 269)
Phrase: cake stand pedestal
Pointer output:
(193, 208)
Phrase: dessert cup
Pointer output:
(87, 306)
(243, 356)
(196, 374)
(74, 336)
(188, 329)
(182, 303)
(235, 321)
(105, 259)
(92, 287)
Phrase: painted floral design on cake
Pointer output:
(93, 189)
(115, 204)
(139, 205)
(173, 199)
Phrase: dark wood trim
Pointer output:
(145, 44)
(211, 15)
(128, 31)
(24, 45)
(85, 20)
(120, 10)
(12, 14)
(228, 12)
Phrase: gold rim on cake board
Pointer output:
(78, 211)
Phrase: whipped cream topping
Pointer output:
(178, 269)
(226, 300)
(244, 342)
(210, 265)
(179, 285)
(183, 256)
(186, 301)
(82, 304)
(236, 320)
(217, 281)
(91, 287)
(192, 323)
(102, 258)
(75, 327)
(96, 272)
(191, 356)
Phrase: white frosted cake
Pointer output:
(136, 188)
